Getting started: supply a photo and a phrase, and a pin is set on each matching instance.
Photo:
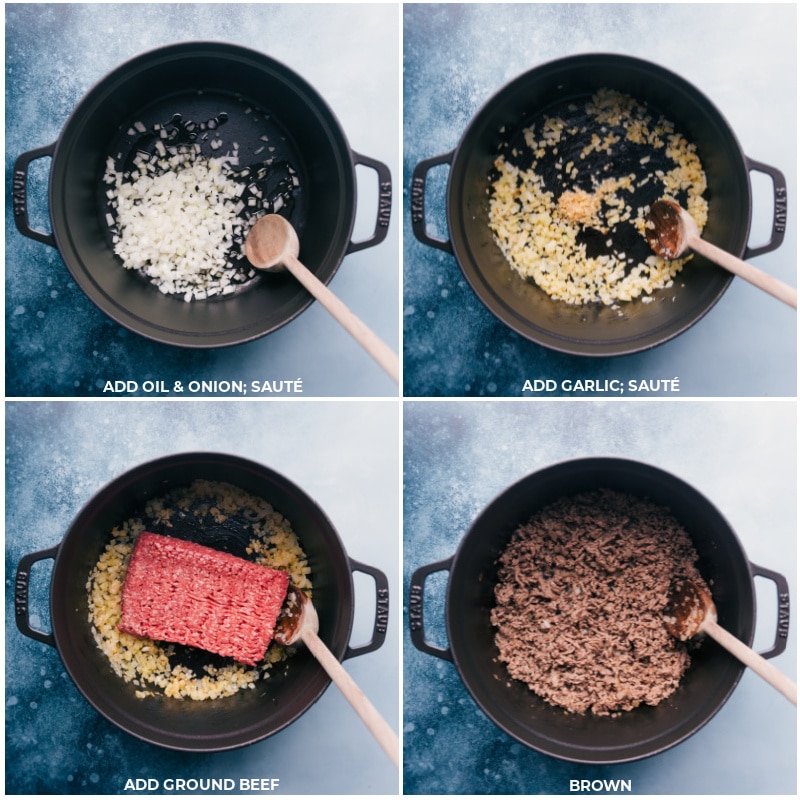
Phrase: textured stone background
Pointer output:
(460, 455)
(59, 454)
(58, 342)
(457, 56)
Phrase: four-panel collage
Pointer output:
(400, 399)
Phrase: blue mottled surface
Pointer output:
(57, 342)
(457, 56)
(458, 456)
(59, 454)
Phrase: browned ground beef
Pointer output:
(580, 602)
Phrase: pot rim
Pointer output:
(216, 329)
(528, 326)
(140, 725)
(107, 83)
(587, 58)
(459, 651)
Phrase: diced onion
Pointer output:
(178, 224)
(180, 215)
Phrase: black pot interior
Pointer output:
(207, 725)
(587, 738)
(201, 81)
(596, 330)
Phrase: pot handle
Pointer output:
(19, 194)
(384, 203)
(381, 610)
(416, 622)
(418, 183)
(779, 208)
(782, 627)
(21, 595)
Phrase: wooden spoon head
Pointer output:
(688, 607)
(665, 229)
(270, 241)
(298, 614)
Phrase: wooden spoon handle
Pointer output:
(370, 716)
(750, 658)
(748, 272)
(378, 349)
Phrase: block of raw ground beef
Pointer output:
(178, 591)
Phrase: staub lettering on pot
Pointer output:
(18, 190)
(21, 593)
(783, 615)
(780, 209)
(418, 200)
(384, 204)
(415, 608)
(382, 611)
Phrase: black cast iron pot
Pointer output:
(257, 97)
(208, 725)
(590, 739)
(595, 330)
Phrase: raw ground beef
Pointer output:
(580, 600)
(178, 591)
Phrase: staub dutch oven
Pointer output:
(595, 330)
(252, 98)
(208, 725)
(589, 739)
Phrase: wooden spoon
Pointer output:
(299, 622)
(272, 244)
(691, 611)
(670, 231)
